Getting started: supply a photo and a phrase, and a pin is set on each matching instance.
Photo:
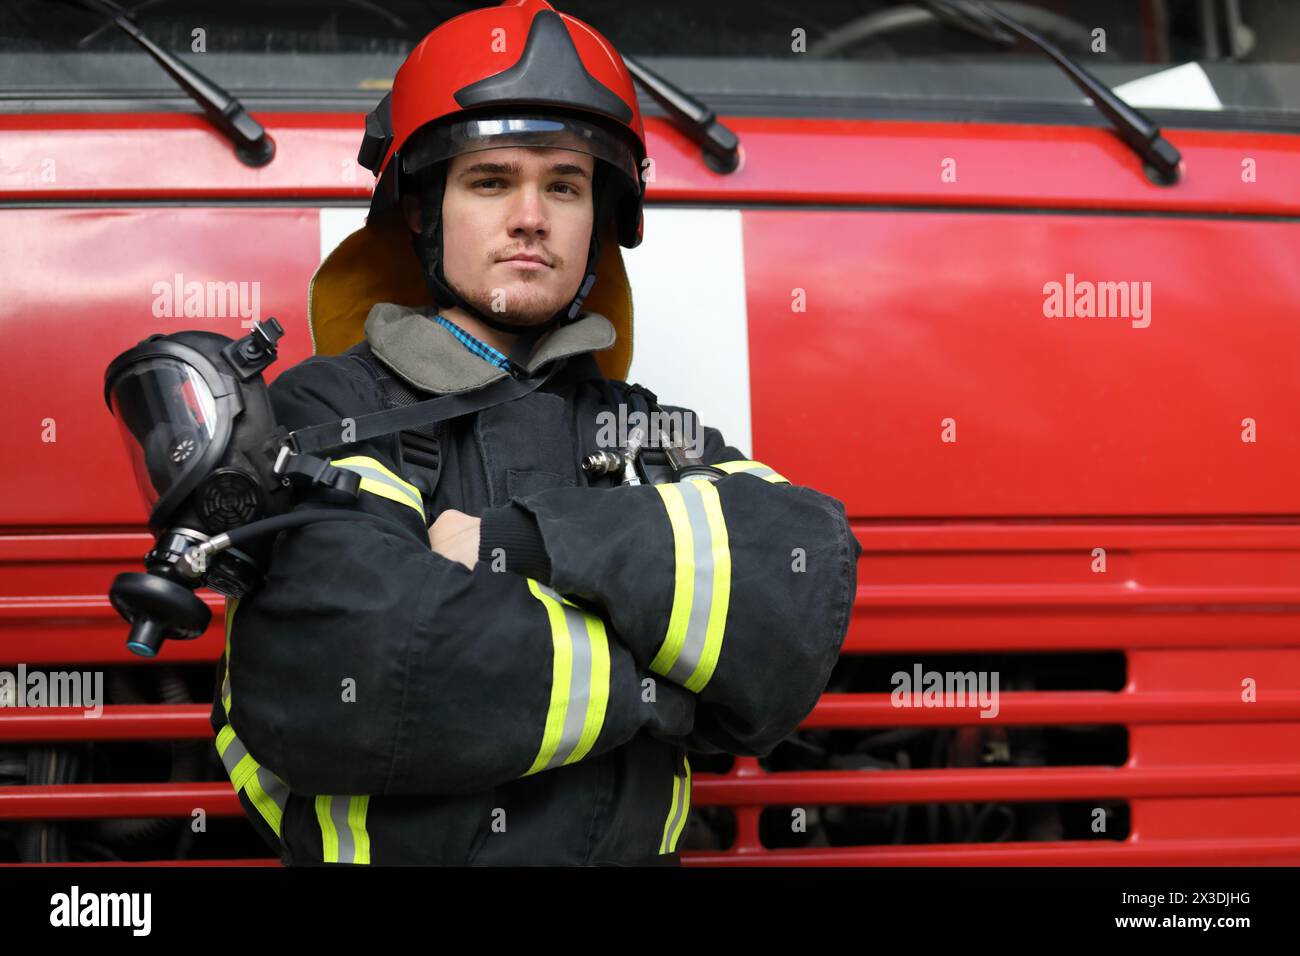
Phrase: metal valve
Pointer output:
(612, 462)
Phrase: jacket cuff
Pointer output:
(515, 531)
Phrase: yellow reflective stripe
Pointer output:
(357, 808)
(353, 844)
(244, 775)
(561, 663)
(672, 814)
(231, 605)
(679, 809)
(224, 736)
(267, 807)
(379, 480)
(721, 588)
(759, 469)
(598, 698)
(579, 681)
(329, 836)
(247, 767)
(686, 806)
(702, 584)
(683, 585)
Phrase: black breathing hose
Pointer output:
(238, 537)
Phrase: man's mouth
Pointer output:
(526, 261)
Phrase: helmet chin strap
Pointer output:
(428, 247)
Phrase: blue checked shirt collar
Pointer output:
(476, 345)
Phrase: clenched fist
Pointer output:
(454, 535)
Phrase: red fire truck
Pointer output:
(1018, 287)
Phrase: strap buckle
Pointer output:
(309, 473)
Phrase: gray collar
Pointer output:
(429, 357)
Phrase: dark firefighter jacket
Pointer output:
(380, 703)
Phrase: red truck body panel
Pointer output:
(922, 317)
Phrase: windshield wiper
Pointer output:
(252, 144)
(1160, 158)
(721, 146)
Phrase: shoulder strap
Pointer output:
(417, 448)
(315, 438)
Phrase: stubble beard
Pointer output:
(523, 302)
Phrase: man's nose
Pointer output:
(528, 213)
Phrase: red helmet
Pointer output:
(520, 74)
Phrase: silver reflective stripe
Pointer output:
(686, 804)
(374, 474)
(339, 815)
(273, 787)
(697, 627)
(676, 818)
(235, 752)
(268, 793)
(343, 833)
(755, 468)
(261, 785)
(579, 679)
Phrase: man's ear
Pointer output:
(411, 212)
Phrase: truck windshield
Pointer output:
(1208, 63)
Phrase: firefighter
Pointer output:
(513, 667)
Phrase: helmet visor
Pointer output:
(442, 141)
(166, 416)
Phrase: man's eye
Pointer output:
(568, 188)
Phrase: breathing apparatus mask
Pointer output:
(216, 473)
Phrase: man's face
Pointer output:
(519, 201)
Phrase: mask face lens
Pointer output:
(166, 416)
